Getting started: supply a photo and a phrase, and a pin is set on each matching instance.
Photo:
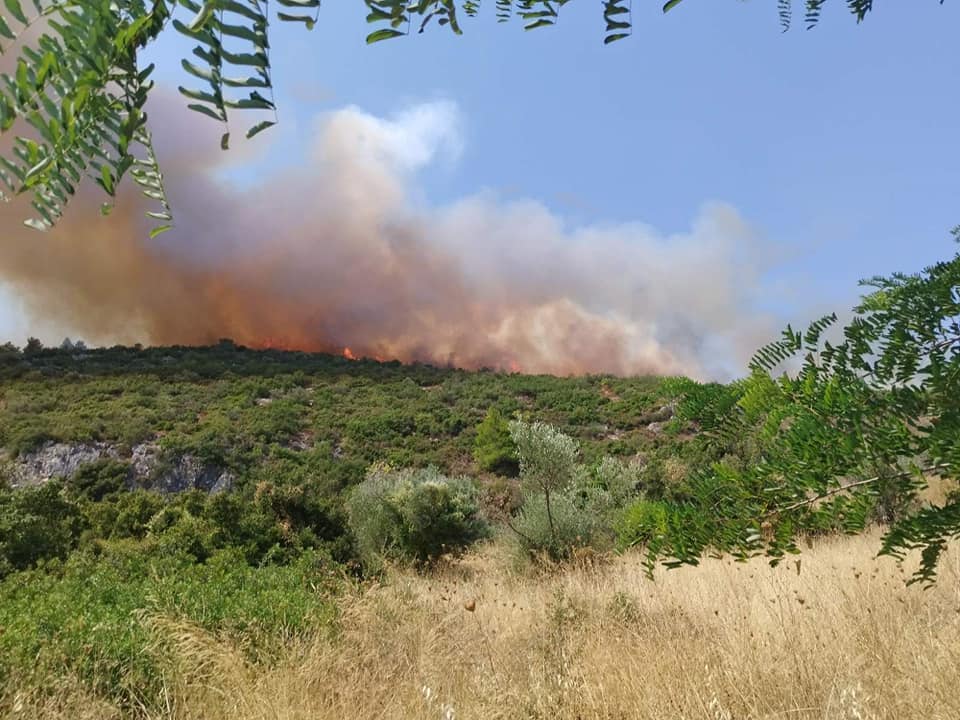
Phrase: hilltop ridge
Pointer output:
(182, 417)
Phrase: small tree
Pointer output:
(548, 461)
(566, 504)
(494, 450)
(33, 346)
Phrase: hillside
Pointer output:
(286, 416)
(209, 485)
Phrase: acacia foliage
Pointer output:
(80, 87)
(856, 423)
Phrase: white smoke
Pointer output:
(343, 251)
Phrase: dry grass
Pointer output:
(842, 639)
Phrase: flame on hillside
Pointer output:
(338, 255)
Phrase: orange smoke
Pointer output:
(334, 256)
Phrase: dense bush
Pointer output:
(127, 515)
(557, 534)
(88, 619)
(36, 524)
(99, 479)
(266, 414)
(413, 515)
(86, 558)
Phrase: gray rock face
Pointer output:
(56, 460)
(148, 468)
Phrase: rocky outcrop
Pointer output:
(56, 460)
(151, 471)
(149, 468)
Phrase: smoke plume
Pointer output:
(341, 254)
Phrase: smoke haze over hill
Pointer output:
(340, 254)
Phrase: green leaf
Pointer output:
(106, 180)
(35, 224)
(34, 172)
(383, 34)
(202, 17)
(206, 111)
(200, 95)
(13, 7)
(159, 230)
(23, 80)
(260, 127)
(256, 59)
(614, 37)
(256, 101)
(5, 29)
(308, 20)
(203, 73)
(542, 22)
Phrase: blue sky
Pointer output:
(839, 144)
(841, 141)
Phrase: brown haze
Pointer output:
(340, 253)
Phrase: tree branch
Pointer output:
(858, 483)
(523, 535)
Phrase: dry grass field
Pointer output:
(837, 637)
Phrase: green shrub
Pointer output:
(86, 619)
(177, 531)
(494, 449)
(413, 515)
(620, 480)
(568, 526)
(36, 524)
(127, 516)
(99, 479)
